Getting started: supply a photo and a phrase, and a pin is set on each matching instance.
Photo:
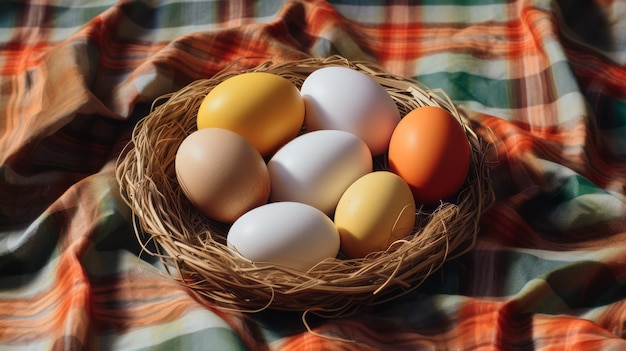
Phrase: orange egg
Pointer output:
(430, 151)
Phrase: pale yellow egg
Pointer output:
(373, 212)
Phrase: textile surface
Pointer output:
(544, 81)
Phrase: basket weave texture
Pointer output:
(194, 247)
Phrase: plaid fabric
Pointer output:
(544, 81)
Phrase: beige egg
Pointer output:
(221, 173)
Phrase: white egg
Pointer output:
(346, 99)
(290, 234)
(317, 167)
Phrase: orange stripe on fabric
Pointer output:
(479, 324)
(62, 310)
(482, 39)
(116, 303)
(596, 71)
(19, 58)
(572, 145)
(613, 318)
(506, 325)
(502, 227)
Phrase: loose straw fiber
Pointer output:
(194, 247)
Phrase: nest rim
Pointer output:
(193, 249)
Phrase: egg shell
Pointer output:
(317, 167)
(221, 173)
(430, 151)
(374, 211)
(345, 99)
(264, 108)
(290, 234)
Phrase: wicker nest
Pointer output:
(194, 247)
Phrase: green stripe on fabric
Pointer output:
(496, 93)
(67, 17)
(518, 267)
(169, 15)
(587, 284)
(583, 283)
(194, 13)
(7, 15)
(462, 86)
(499, 273)
(576, 203)
(13, 13)
(208, 339)
(577, 186)
(24, 252)
(614, 140)
(612, 112)
(278, 324)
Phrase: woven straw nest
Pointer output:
(194, 247)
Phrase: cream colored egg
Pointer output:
(317, 167)
(374, 211)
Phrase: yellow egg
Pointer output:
(264, 108)
(373, 212)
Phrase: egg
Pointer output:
(264, 108)
(346, 99)
(221, 173)
(376, 210)
(317, 167)
(290, 234)
(430, 151)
